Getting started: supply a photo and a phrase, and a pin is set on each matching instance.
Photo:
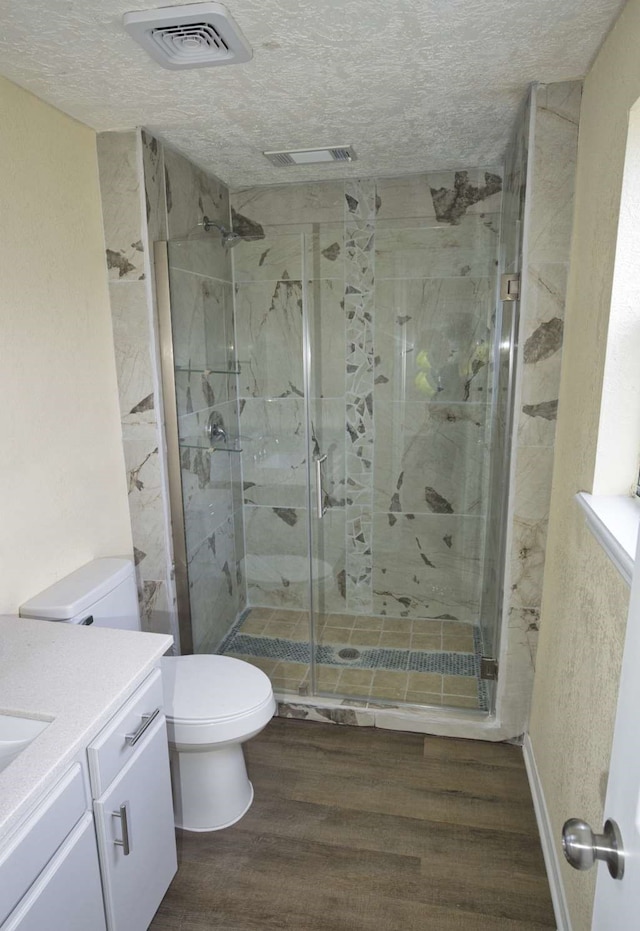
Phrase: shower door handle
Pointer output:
(320, 508)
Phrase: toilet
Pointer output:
(213, 704)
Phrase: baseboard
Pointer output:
(549, 849)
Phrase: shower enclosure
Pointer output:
(336, 417)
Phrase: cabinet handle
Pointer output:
(147, 720)
(123, 814)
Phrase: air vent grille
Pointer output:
(191, 43)
(336, 153)
(195, 35)
(342, 155)
(280, 158)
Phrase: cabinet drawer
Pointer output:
(35, 843)
(118, 741)
(67, 896)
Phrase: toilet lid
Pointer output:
(211, 688)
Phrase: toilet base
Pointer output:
(211, 789)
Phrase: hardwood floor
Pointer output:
(360, 829)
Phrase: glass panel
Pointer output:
(400, 340)
(207, 413)
(274, 633)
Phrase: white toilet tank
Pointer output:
(102, 593)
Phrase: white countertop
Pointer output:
(76, 677)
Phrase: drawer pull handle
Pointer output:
(147, 720)
(123, 814)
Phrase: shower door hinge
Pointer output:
(509, 287)
(488, 668)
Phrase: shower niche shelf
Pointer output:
(232, 445)
(233, 368)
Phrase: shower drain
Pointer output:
(349, 654)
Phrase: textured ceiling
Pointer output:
(414, 85)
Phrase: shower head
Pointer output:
(229, 238)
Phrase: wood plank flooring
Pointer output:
(360, 829)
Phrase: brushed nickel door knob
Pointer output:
(582, 847)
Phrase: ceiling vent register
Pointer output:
(196, 35)
(335, 153)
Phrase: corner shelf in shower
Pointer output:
(202, 443)
(233, 369)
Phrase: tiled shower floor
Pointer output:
(426, 662)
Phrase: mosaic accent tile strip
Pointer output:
(359, 222)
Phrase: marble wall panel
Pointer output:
(153, 172)
(121, 205)
(276, 562)
(135, 352)
(274, 452)
(472, 191)
(432, 339)
(314, 202)
(212, 588)
(269, 338)
(557, 116)
(190, 194)
(325, 250)
(275, 257)
(427, 565)
(201, 314)
(145, 492)
(207, 493)
(278, 253)
(326, 309)
(328, 564)
(442, 251)
(432, 459)
(204, 256)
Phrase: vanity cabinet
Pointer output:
(99, 851)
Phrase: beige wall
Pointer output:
(63, 495)
(585, 601)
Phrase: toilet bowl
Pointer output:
(213, 704)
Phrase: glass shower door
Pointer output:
(400, 335)
(269, 288)
(199, 364)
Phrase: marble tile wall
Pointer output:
(536, 242)
(557, 113)
(127, 259)
(152, 192)
(400, 286)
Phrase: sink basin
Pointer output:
(15, 735)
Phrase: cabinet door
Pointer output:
(68, 894)
(136, 836)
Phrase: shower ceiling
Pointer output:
(413, 84)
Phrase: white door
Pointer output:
(136, 835)
(617, 903)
